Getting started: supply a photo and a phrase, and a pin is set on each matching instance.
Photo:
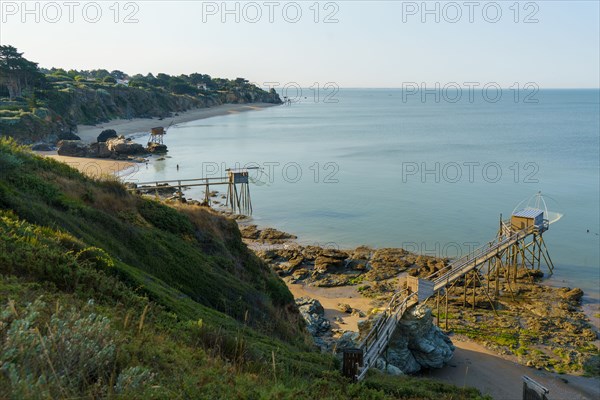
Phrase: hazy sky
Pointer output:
(372, 44)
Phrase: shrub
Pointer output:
(66, 354)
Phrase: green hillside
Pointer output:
(104, 294)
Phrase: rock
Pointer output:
(362, 253)
(123, 146)
(103, 151)
(364, 325)
(348, 340)
(417, 343)
(41, 147)
(334, 253)
(358, 265)
(356, 312)
(310, 253)
(161, 189)
(100, 150)
(313, 313)
(327, 264)
(290, 265)
(388, 368)
(156, 148)
(67, 136)
(344, 307)
(300, 274)
(72, 148)
(387, 263)
(106, 134)
(430, 346)
(572, 295)
(249, 231)
(401, 356)
(273, 235)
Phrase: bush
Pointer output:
(64, 355)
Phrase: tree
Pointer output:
(16, 72)
(118, 74)
(99, 73)
(109, 79)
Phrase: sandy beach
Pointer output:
(499, 376)
(89, 133)
(98, 167)
(330, 298)
(94, 167)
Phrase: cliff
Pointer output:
(59, 110)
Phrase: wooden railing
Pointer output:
(380, 334)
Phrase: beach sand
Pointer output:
(330, 298)
(94, 167)
(89, 133)
(474, 365)
(97, 167)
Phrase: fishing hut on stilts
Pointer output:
(238, 189)
(157, 135)
(239, 202)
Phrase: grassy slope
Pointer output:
(105, 294)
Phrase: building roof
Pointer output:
(528, 213)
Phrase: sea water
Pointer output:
(428, 173)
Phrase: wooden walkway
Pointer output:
(378, 338)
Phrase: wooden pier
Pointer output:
(238, 200)
(519, 243)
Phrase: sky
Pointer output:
(363, 44)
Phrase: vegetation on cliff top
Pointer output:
(38, 103)
(109, 295)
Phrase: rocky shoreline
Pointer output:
(536, 325)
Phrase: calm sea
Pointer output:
(384, 169)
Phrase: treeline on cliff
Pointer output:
(42, 104)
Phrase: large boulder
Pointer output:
(572, 295)
(107, 134)
(417, 343)
(68, 136)
(428, 344)
(72, 148)
(327, 264)
(271, 235)
(124, 146)
(313, 313)
(100, 150)
(156, 148)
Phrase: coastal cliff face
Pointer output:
(64, 109)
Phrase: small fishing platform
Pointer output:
(238, 200)
(519, 243)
